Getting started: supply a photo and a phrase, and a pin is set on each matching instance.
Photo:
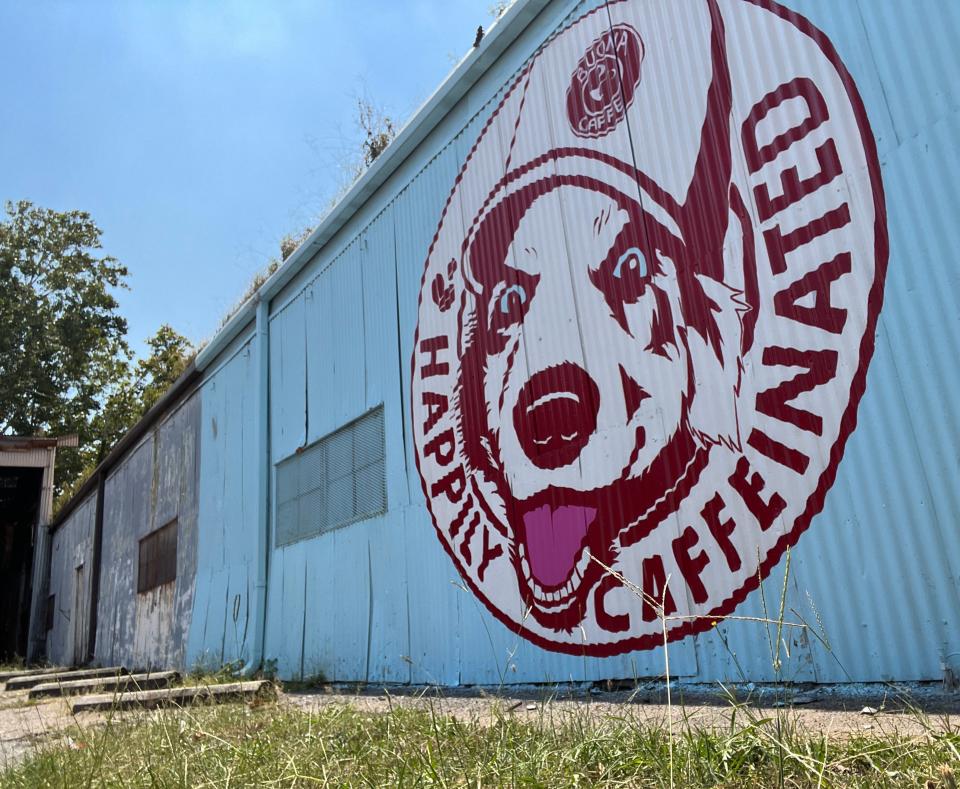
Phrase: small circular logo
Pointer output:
(604, 82)
(646, 320)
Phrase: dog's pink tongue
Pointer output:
(554, 537)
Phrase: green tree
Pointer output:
(170, 353)
(65, 366)
(62, 342)
(135, 391)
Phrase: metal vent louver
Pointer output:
(338, 480)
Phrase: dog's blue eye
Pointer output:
(521, 295)
(634, 260)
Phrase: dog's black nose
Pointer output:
(556, 414)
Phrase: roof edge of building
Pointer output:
(134, 434)
(466, 74)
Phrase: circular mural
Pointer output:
(646, 319)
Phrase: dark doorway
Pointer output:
(20, 490)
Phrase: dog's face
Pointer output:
(578, 373)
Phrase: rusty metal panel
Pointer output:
(157, 559)
(156, 483)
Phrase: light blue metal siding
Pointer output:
(379, 600)
(878, 573)
(227, 535)
(876, 576)
(341, 594)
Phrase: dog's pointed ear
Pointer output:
(704, 217)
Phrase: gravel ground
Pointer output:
(837, 711)
(25, 724)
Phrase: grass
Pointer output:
(16, 664)
(269, 745)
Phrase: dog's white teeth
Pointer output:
(582, 565)
(545, 597)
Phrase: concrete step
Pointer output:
(23, 672)
(30, 680)
(112, 684)
(149, 699)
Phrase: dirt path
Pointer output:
(24, 725)
(844, 712)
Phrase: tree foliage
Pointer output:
(65, 366)
(140, 388)
(137, 388)
(62, 341)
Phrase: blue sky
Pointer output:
(199, 133)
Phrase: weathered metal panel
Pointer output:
(71, 547)
(155, 484)
(127, 495)
(416, 212)
(874, 576)
(27, 458)
(433, 602)
(333, 623)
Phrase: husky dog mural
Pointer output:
(646, 319)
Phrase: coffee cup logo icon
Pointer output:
(604, 82)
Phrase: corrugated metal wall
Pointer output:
(875, 577)
(876, 574)
(155, 484)
(71, 564)
(226, 534)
